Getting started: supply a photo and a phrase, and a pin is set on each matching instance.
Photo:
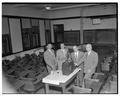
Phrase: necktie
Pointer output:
(51, 52)
(76, 55)
(87, 55)
(63, 52)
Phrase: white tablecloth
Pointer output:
(56, 77)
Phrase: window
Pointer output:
(35, 33)
(26, 32)
(6, 39)
(30, 33)
(6, 45)
(47, 31)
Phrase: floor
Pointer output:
(110, 86)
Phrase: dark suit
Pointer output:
(76, 60)
(49, 57)
(90, 63)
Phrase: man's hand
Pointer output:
(76, 64)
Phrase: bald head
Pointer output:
(75, 48)
(62, 46)
(49, 46)
(88, 47)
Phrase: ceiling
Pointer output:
(41, 6)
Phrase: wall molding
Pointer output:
(73, 17)
(13, 16)
(97, 16)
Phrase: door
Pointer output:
(58, 33)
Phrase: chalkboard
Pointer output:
(100, 36)
(88, 36)
(105, 37)
(72, 37)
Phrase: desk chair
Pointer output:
(79, 90)
(95, 83)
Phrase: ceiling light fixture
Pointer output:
(47, 7)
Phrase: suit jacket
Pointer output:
(50, 59)
(62, 56)
(73, 56)
(90, 61)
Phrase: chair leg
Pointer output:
(83, 84)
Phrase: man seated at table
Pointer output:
(50, 59)
(90, 60)
(62, 55)
(76, 56)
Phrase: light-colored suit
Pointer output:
(61, 57)
(90, 63)
(76, 60)
(50, 59)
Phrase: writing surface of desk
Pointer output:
(57, 79)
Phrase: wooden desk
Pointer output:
(59, 80)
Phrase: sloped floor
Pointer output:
(111, 86)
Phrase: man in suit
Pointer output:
(76, 56)
(50, 59)
(90, 60)
(61, 55)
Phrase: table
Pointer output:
(59, 80)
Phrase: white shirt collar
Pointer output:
(50, 50)
(76, 52)
(89, 52)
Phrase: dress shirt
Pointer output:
(89, 53)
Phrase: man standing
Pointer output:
(90, 60)
(61, 55)
(76, 56)
(49, 57)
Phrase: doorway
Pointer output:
(58, 34)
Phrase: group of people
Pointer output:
(87, 61)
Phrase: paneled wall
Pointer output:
(69, 24)
(105, 23)
(96, 10)
(15, 32)
(42, 32)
